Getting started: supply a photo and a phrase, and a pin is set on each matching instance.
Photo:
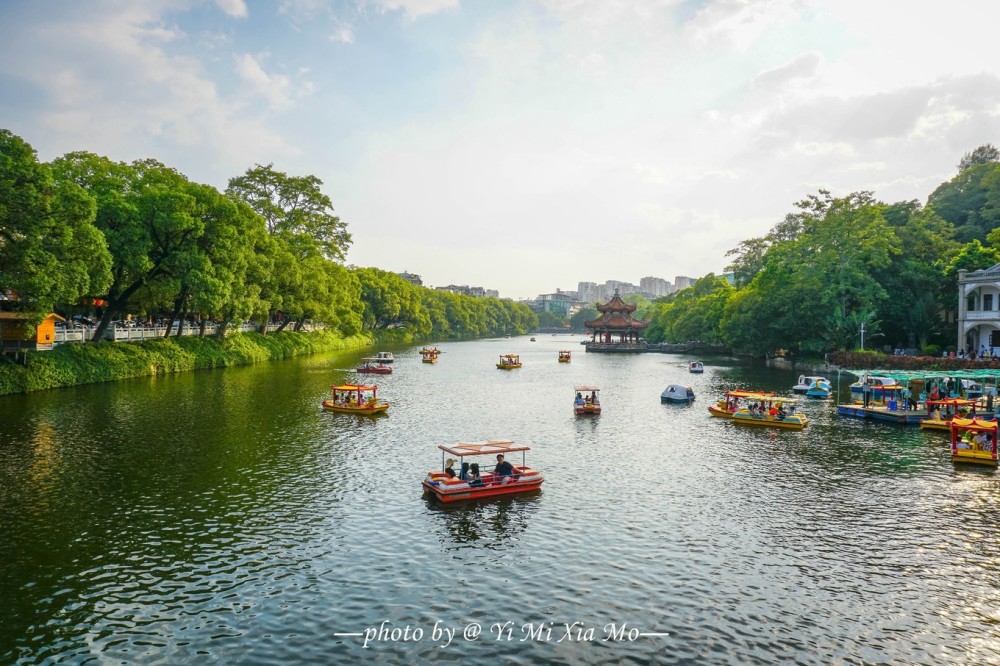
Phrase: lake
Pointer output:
(223, 517)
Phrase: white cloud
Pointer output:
(802, 67)
(416, 8)
(276, 88)
(234, 8)
(564, 125)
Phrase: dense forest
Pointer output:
(85, 234)
(836, 263)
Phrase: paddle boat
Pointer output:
(532, 339)
(384, 357)
(509, 361)
(439, 485)
(818, 385)
(355, 399)
(429, 355)
(373, 366)
(732, 401)
(564, 356)
(974, 441)
(586, 400)
(820, 388)
(953, 408)
(696, 367)
(677, 394)
(773, 412)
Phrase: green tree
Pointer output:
(982, 155)
(391, 302)
(293, 205)
(149, 216)
(962, 200)
(583, 315)
(551, 320)
(50, 251)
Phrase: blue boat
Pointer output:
(677, 394)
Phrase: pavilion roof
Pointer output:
(616, 322)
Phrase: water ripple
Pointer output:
(256, 528)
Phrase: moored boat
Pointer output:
(355, 399)
(564, 355)
(509, 361)
(974, 441)
(953, 408)
(813, 386)
(677, 394)
(465, 486)
(696, 367)
(732, 401)
(774, 412)
(586, 400)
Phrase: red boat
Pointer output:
(444, 488)
(374, 366)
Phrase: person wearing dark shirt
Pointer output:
(504, 470)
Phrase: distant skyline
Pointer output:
(507, 144)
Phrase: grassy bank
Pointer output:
(74, 364)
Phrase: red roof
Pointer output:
(616, 304)
(616, 322)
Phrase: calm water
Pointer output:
(222, 517)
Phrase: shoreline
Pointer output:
(76, 365)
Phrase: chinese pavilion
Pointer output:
(615, 325)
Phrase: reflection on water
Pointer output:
(487, 523)
(224, 516)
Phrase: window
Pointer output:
(987, 301)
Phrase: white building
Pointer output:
(979, 309)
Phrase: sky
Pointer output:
(520, 145)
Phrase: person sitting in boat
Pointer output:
(474, 478)
(464, 474)
(781, 412)
(449, 468)
(579, 399)
(963, 442)
(988, 445)
(504, 470)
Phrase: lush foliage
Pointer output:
(69, 365)
(86, 234)
(836, 266)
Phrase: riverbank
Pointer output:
(72, 365)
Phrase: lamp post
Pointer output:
(862, 336)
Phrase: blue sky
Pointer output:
(523, 145)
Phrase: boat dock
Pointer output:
(883, 413)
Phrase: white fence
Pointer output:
(129, 333)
